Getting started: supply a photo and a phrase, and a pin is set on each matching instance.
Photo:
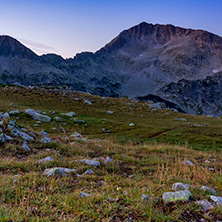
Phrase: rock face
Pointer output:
(182, 66)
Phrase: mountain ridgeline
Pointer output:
(181, 66)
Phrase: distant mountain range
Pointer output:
(182, 66)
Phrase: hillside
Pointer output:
(120, 157)
(140, 61)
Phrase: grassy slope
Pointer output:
(151, 151)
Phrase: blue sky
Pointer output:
(67, 27)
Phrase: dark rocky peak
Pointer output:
(161, 34)
(11, 47)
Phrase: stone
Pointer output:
(58, 171)
(43, 133)
(131, 124)
(90, 162)
(211, 190)
(37, 116)
(105, 130)
(211, 169)
(205, 205)
(180, 186)
(216, 199)
(8, 138)
(46, 159)
(181, 119)
(77, 136)
(188, 162)
(14, 112)
(2, 138)
(46, 140)
(26, 147)
(24, 136)
(88, 172)
(109, 112)
(79, 121)
(126, 193)
(58, 118)
(70, 114)
(87, 102)
(184, 195)
(105, 161)
(6, 115)
(83, 194)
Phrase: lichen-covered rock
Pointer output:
(58, 171)
(37, 116)
(180, 186)
(184, 195)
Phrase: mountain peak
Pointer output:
(162, 34)
(12, 47)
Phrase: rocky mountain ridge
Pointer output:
(144, 60)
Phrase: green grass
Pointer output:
(147, 159)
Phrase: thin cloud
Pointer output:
(37, 46)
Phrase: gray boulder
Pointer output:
(37, 116)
